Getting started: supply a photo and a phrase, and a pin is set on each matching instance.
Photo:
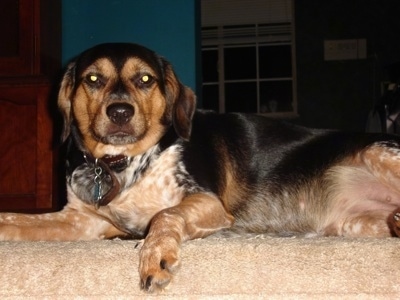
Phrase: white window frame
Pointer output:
(219, 38)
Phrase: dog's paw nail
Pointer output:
(146, 284)
(396, 217)
(139, 244)
(163, 264)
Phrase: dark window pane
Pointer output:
(275, 61)
(210, 65)
(241, 97)
(210, 97)
(240, 63)
(276, 96)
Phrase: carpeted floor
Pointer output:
(253, 267)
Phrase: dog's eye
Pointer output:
(93, 79)
(145, 80)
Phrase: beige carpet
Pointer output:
(253, 267)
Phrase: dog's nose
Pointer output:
(120, 113)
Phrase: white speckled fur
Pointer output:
(156, 189)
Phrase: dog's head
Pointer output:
(122, 98)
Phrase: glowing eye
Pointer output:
(144, 81)
(93, 78)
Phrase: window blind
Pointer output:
(242, 21)
(240, 12)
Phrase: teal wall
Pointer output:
(167, 27)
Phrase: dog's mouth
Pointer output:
(116, 135)
(119, 138)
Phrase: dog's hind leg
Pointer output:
(367, 192)
(382, 160)
(66, 225)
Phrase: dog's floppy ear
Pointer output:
(183, 111)
(64, 99)
(183, 104)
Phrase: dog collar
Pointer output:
(102, 168)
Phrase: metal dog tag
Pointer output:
(98, 193)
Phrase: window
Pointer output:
(248, 67)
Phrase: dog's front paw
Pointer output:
(394, 220)
(158, 262)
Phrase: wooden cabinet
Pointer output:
(26, 151)
(29, 59)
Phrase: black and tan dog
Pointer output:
(142, 162)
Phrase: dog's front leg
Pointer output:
(197, 216)
(66, 225)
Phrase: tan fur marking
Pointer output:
(232, 190)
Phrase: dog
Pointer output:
(143, 162)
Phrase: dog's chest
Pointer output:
(158, 187)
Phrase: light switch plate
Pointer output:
(345, 49)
